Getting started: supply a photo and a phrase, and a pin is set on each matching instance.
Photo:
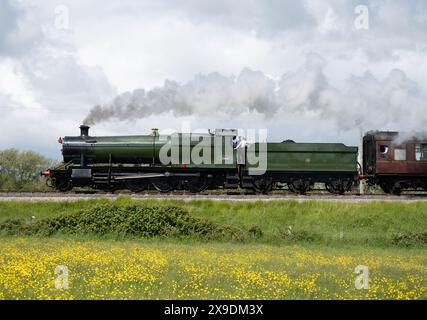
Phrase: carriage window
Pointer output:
(421, 152)
(383, 151)
(400, 154)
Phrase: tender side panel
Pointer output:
(309, 157)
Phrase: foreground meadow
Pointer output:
(133, 270)
(297, 251)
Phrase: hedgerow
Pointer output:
(124, 222)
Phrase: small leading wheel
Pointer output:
(62, 185)
(49, 182)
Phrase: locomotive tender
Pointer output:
(134, 163)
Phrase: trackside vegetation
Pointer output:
(379, 223)
(152, 249)
(20, 170)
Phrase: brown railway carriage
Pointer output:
(395, 161)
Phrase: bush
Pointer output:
(124, 222)
(255, 232)
(409, 239)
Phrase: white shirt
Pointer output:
(241, 144)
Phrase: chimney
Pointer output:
(84, 131)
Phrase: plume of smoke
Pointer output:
(405, 136)
(205, 94)
(394, 102)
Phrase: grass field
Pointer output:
(292, 250)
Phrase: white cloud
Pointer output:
(121, 46)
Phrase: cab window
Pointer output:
(421, 152)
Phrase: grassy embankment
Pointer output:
(284, 249)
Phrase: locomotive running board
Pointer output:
(157, 175)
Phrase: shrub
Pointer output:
(409, 239)
(125, 221)
(255, 232)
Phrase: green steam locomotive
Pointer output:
(195, 162)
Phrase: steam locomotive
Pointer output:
(213, 161)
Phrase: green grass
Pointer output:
(380, 224)
(308, 250)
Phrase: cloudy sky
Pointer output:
(307, 70)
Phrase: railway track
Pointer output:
(230, 196)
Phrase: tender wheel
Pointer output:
(263, 185)
(300, 186)
(339, 186)
(291, 188)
